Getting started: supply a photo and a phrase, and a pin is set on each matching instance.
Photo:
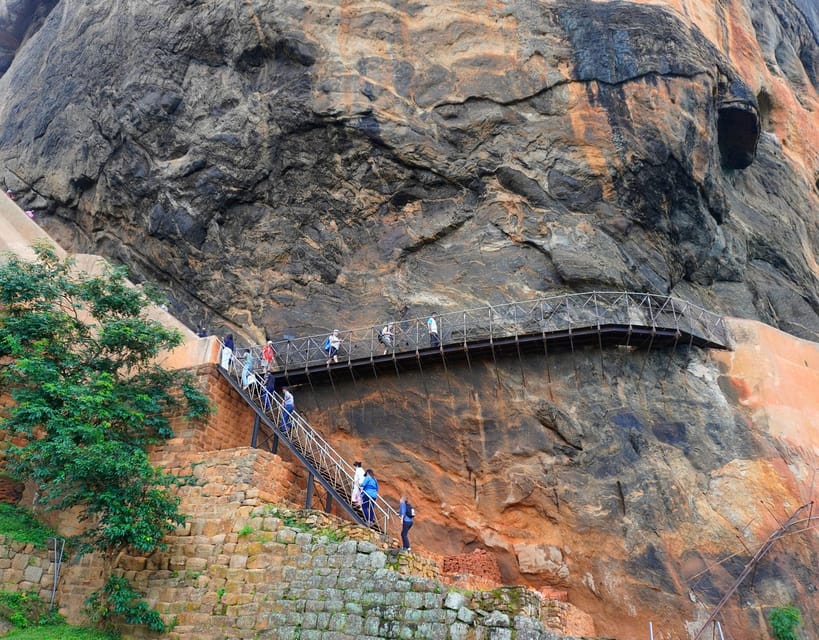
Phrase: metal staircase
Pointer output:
(324, 463)
(639, 320)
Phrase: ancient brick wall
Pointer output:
(24, 567)
(229, 426)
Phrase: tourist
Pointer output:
(227, 352)
(289, 407)
(369, 494)
(333, 342)
(358, 478)
(386, 336)
(247, 370)
(432, 327)
(268, 354)
(269, 388)
(407, 514)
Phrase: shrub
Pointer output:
(784, 621)
(117, 600)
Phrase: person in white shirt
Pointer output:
(358, 478)
(333, 343)
(385, 336)
(432, 327)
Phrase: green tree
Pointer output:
(78, 357)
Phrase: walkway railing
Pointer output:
(292, 428)
(515, 319)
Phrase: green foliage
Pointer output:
(62, 631)
(784, 621)
(295, 520)
(25, 609)
(21, 525)
(78, 358)
(118, 601)
(332, 534)
(245, 530)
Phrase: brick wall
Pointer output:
(229, 426)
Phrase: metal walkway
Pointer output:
(544, 325)
(323, 463)
(638, 320)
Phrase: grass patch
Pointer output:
(24, 609)
(61, 631)
(21, 525)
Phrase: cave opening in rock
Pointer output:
(738, 134)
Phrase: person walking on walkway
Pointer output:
(407, 515)
(269, 388)
(289, 407)
(247, 370)
(385, 337)
(369, 494)
(333, 343)
(358, 478)
(432, 327)
(227, 352)
(268, 353)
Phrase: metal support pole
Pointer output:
(650, 630)
(274, 446)
(328, 503)
(58, 561)
(308, 502)
(254, 439)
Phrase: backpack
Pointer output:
(410, 510)
(326, 346)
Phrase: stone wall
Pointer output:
(268, 578)
(24, 567)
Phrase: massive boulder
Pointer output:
(284, 167)
(276, 163)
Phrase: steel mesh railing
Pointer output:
(298, 432)
(494, 322)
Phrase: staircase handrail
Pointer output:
(301, 435)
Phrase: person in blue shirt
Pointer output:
(289, 407)
(269, 388)
(406, 511)
(369, 494)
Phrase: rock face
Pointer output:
(282, 167)
(640, 482)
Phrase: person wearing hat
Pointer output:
(333, 343)
(268, 354)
